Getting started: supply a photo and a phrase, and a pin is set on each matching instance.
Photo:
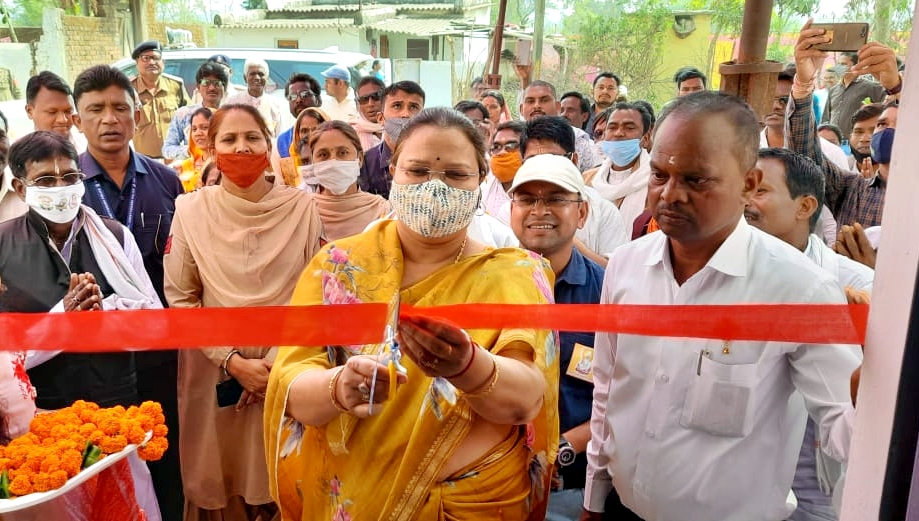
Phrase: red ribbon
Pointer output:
(354, 324)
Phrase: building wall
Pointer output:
(157, 30)
(90, 41)
(692, 50)
(346, 38)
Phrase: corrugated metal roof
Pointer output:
(416, 26)
(293, 24)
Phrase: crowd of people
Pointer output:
(131, 194)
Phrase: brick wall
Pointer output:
(90, 41)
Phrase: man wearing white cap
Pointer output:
(548, 206)
(338, 100)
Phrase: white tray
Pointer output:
(36, 498)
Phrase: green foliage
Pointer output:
(181, 11)
(891, 20)
(28, 13)
(254, 4)
(624, 37)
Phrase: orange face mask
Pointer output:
(243, 169)
(505, 166)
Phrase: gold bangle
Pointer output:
(332, 382)
(489, 386)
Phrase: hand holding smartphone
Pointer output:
(843, 36)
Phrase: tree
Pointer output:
(624, 36)
(891, 20)
(181, 11)
(254, 4)
(28, 13)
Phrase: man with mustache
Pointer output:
(864, 121)
(540, 99)
(160, 96)
(369, 102)
(549, 205)
(212, 86)
(707, 429)
(605, 93)
(139, 192)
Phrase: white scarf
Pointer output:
(631, 186)
(109, 254)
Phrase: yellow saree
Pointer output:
(385, 467)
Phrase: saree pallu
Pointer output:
(386, 467)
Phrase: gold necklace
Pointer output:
(462, 248)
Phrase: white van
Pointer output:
(282, 63)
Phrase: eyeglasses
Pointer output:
(303, 94)
(50, 181)
(150, 58)
(508, 146)
(425, 173)
(375, 96)
(783, 100)
(216, 83)
(553, 201)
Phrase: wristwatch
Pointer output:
(566, 453)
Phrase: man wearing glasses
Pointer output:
(503, 165)
(547, 209)
(160, 96)
(369, 101)
(212, 87)
(302, 92)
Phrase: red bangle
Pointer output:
(475, 347)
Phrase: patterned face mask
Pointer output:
(433, 208)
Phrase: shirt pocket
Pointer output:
(166, 108)
(719, 398)
(153, 231)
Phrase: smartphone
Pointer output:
(524, 52)
(843, 36)
(229, 392)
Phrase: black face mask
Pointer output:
(860, 157)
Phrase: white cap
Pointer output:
(551, 168)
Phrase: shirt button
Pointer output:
(649, 434)
(664, 378)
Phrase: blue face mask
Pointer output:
(622, 153)
(882, 146)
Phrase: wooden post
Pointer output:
(493, 80)
(752, 77)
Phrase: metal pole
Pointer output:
(539, 25)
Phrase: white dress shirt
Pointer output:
(344, 110)
(832, 152)
(274, 110)
(690, 429)
(847, 272)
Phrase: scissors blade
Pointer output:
(389, 341)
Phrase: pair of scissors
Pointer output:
(389, 349)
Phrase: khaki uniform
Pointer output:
(156, 112)
(9, 90)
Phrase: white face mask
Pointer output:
(59, 204)
(337, 176)
(308, 180)
(434, 208)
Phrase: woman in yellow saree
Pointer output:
(473, 422)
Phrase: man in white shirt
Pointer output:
(604, 230)
(540, 99)
(622, 178)
(691, 429)
(271, 108)
(50, 106)
(787, 205)
(10, 203)
(503, 164)
(338, 100)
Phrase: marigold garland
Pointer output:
(56, 447)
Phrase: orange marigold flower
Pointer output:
(153, 450)
(50, 464)
(41, 482)
(161, 430)
(97, 436)
(21, 485)
(71, 461)
(136, 435)
(4, 464)
(58, 479)
(113, 444)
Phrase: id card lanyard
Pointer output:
(107, 208)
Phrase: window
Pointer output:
(417, 48)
